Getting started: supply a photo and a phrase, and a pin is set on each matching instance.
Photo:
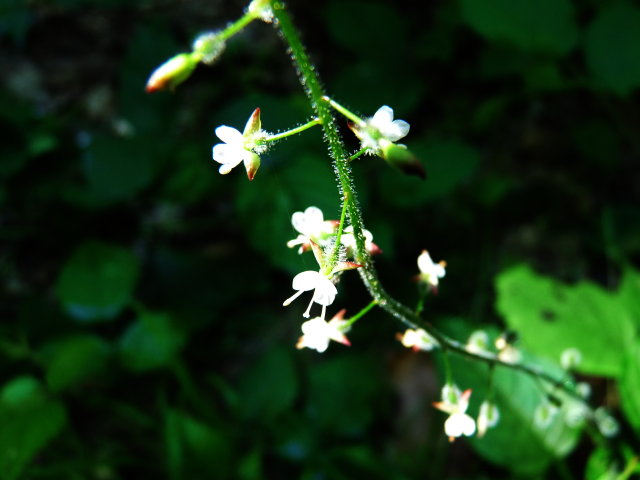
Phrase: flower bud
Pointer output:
(400, 157)
(172, 72)
(251, 164)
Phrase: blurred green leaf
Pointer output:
(74, 360)
(448, 164)
(629, 293)
(612, 47)
(551, 317)
(151, 342)
(118, 168)
(537, 25)
(269, 387)
(604, 464)
(344, 391)
(29, 419)
(97, 282)
(195, 449)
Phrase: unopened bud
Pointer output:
(400, 157)
(251, 164)
(172, 72)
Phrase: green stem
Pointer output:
(293, 131)
(236, 26)
(358, 154)
(321, 105)
(360, 314)
(347, 113)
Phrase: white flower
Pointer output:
(418, 340)
(317, 333)
(607, 425)
(544, 413)
(478, 342)
(348, 240)
(488, 417)
(570, 358)
(377, 132)
(311, 225)
(455, 404)
(240, 147)
(324, 291)
(430, 272)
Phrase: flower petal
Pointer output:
(325, 291)
(229, 135)
(309, 221)
(459, 424)
(230, 154)
(396, 130)
(307, 280)
(382, 118)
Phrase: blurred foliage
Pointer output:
(143, 334)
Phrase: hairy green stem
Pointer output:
(311, 82)
(293, 131)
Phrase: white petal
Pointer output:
(459, 424)
(396, 130)
(308, 222)
(228, 154)
(306, 280)
(225, 168)
(229, 135)
(383, 117)
(424, 262)
(325, 292)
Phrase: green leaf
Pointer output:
(70, 362)
(629, 385)
(97, 282)
(194, 447)
(629, 294)
(448, 165)
(551, 317)
(612, 47)
(151, 342)
(343, 392)
(117, 168)
(537, 25)
(29, 419)
(269, 387)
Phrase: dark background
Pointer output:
(141, 291)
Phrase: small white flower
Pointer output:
(607, 425)
(324, 291)
(583, 389)
(348, 239)
(430, 272)
(488, 417)
(455, 404)
(240, 147)
(376, 132)
(418, 340)
(575, 412)
(311, 225)
(570, 358)
(544, 413)
(317, 333)
(478, 342)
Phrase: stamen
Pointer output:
(292, 298)
(307, 313)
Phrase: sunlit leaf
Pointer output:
(551, 317)
(97, 282)
(629, 385)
